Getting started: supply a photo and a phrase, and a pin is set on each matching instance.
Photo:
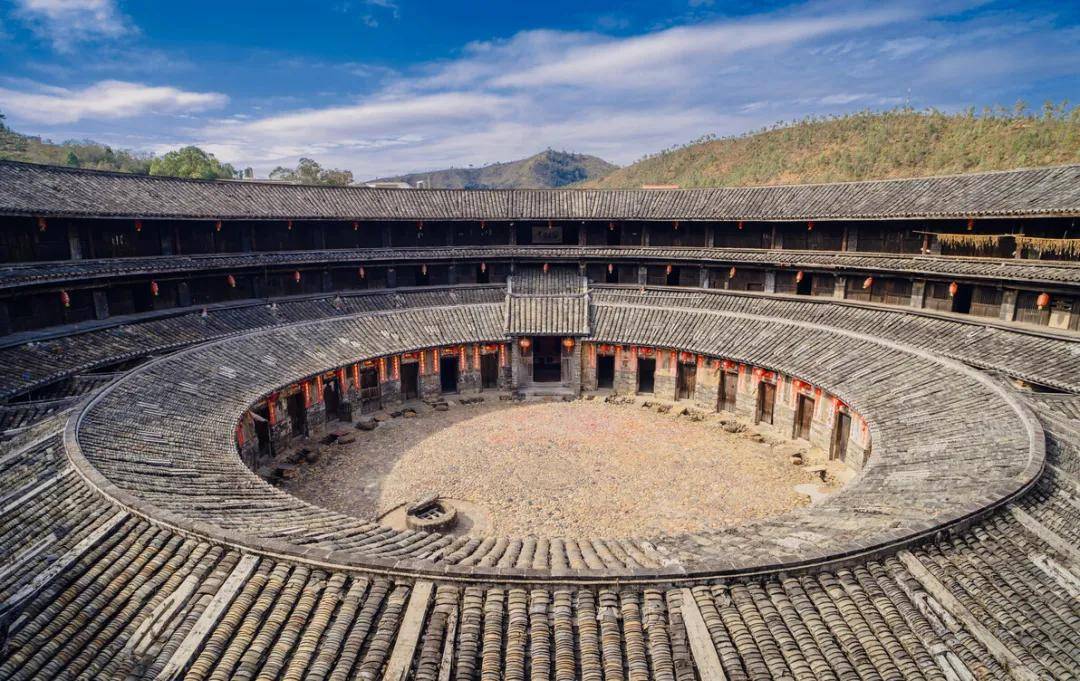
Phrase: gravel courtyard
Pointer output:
(584, 468)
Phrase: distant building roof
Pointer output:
(385, 184)
(28, 189)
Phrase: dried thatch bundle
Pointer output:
(1070, 247)
(980, 242)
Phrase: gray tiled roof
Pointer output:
(554, 302)
(27, 189)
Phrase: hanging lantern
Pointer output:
(423, 270)
(525, 344)
(231, 280)
(217, 226)
(667, 270)
(546, 267)
(675, 225)
(483, 225)
(971, 224)
(611, 226)
(1042, 301)
(810, 226)
(288, 225)
(363, 274)
(798, 277)
(731, 273)
(419, 225)
(568, 343)
(42, 224)
(868, 282)
(138, 225)
(483, 267)
(154, 288)
(953, 288)
(610, 268)
(355, 226)
(740, 224)
(296, 276)
(65, 298)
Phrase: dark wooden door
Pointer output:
(841, 435)
(370, 391)
(803, 417)
(410, 380)
(686, 381)
(729, 385)
(489, 371)
(766, 402)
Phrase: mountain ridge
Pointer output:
(546, 170)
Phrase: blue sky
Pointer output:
(388, 86)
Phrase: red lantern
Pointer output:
(154, 288)
(971, 224)
(740, 224)
(232, 281)
(419, 225)
(355, 226)
(1042, 301)
(217, 226)
(611, 226)
(568, 343)
(953, 288)
(296, 276)
(731, 273)
(363, 274)
(675, 224)
(667, 270)
(423, 270)
(868, 282)
(138, 225)
(810, 226)
(65, 298)
(546, 267)
(288, 225)
(483, 225)
(525, 344)
(42, 224)
(483, 267)
(798, 277)
(610, 268)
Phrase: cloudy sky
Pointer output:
(388, 86)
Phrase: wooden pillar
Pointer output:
(918, 293)
(1008, 305)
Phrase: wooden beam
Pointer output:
(61, 564)
(1044, 533)
(1005, 657)
(412, 624)
(209, 618)
(701, 644)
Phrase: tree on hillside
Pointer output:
(191, 162)
(308, 171)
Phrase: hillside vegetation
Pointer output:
(75, 153)
(865, 145)
(543, 171)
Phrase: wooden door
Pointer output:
(766, 402)
(685, 381)
(841, 435)
(803, 417)
(729, 386)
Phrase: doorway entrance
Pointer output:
(547, 359)
(297, 413)
(410, 380)
(804, 415)
(370, 391)
(961, 302)
(646, 375)
(448, 374)
(729, 385)
(261, 419)
(806, 286)
(605, 371)
(841, 435)
(483, 276)
(489, 371)
(331, 395)
(685, 380)
(765, 403)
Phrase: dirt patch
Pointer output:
(583, 468)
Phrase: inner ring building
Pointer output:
(180, 356)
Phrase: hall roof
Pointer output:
(38, 190)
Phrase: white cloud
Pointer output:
(65, 23)
(107, 99)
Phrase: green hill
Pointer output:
(865, 145)
(83, 154)
(542, 171)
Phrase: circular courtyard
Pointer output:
(586, 467)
